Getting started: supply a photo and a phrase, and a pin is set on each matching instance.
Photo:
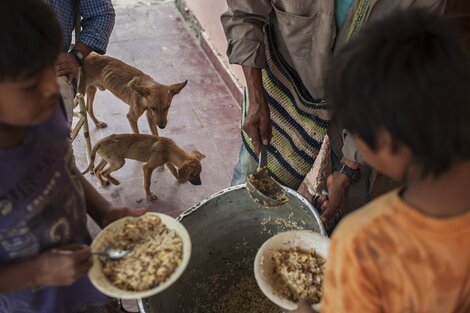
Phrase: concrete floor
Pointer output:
(151, 36)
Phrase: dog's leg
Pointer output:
(152, 123)
(133, 121)
(113, 165)
(98, 169)
(148, 169)
(90, 97)
(173, 170)
(113, 180)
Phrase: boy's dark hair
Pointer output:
(408, 74)
(30, 38)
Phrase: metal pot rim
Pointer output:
(140, 302)
(242, 186)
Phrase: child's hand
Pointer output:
(303, 307)
(114, 214)
(64, 265)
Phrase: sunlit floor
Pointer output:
(151, 36)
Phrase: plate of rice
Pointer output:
(289, 267)
(160, 251)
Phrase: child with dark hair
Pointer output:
(402, 88)
(44, 253)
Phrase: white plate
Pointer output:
(263, 267)
(100, 281)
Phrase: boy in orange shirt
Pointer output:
(402, 88)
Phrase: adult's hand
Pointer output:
(67, 65)
(258, 121)
(337, 199)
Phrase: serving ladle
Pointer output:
(262, 187)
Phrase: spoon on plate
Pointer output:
(112, 253)
(109, 252)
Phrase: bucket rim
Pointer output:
(142, 304)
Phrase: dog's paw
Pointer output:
(105, 183)
(101, 125)
(152, 197)
(115, 181)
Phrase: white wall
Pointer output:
(208, 14)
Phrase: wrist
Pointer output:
(78, 56)
(351, 164)
(342, 179)
(38, 273)
(20, 276)
(254, 84)
(103, 214)
(349, 171)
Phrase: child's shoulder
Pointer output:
(370, 217)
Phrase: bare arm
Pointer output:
(48, 269)
(101, 210)
(18, 276)
(258, 122)
(97, 206)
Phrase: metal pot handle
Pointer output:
(118, 304)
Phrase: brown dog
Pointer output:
(132, 86)
(154, 151)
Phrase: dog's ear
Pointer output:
(176, 88)
(141, 88)
(200, 156)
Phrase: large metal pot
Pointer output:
(226, 231)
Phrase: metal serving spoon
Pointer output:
(273, 196)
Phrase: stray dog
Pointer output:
(132, 86)
(154, 151)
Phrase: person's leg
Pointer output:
(246, 165)
(68, 94)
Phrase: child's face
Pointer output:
(389, 158)
(29, 101)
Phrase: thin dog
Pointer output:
(137, 89)
(154, 151)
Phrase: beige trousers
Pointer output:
(68, 96)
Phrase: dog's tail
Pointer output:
(92, 157)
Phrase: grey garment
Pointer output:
(350, 150)
(305, 32)
(306, 35)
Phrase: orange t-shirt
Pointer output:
(389, 258)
